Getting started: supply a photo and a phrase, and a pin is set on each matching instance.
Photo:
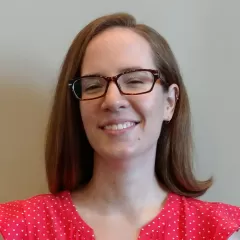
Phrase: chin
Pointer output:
(123, 153)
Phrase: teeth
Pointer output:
(119, 126)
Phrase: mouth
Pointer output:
(116, 127)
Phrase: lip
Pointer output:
(119, 131)
(117, 121)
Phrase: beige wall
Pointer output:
(35, 35)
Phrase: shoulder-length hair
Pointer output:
(68, 154)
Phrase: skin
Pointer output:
(124, 191)
(118, 194)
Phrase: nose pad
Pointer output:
(114, 99)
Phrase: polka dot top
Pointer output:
(51, 217)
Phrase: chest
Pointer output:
(119, 228)
(116, 229)
(118, 225)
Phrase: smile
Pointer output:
(120, 126)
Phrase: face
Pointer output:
(142, 115)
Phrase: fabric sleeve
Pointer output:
(228, 219)
(12, 221)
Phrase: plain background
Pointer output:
(34, 38)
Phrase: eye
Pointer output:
(92, 87)
(134, 81)
(92, 84)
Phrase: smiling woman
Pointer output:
(119, 147)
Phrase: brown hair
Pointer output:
(69, 156)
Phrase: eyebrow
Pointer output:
(129, 69)
(120, 70)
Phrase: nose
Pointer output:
(114, 101)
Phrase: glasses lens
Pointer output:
(136, 82)
(90, 87)
(77, 88)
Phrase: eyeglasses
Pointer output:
(132, 82)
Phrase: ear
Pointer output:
(171, 98)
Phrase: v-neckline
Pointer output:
(79, 221)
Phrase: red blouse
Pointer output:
(50, 217)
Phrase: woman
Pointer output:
(118, 149)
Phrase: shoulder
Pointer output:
(220, 218)
(15, 215)
(11, 214)
(220, 212)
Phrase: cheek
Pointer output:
(88, 117)
(151, 108)
(152, 114)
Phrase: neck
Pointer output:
(125, 185)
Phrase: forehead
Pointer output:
(116, 49)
